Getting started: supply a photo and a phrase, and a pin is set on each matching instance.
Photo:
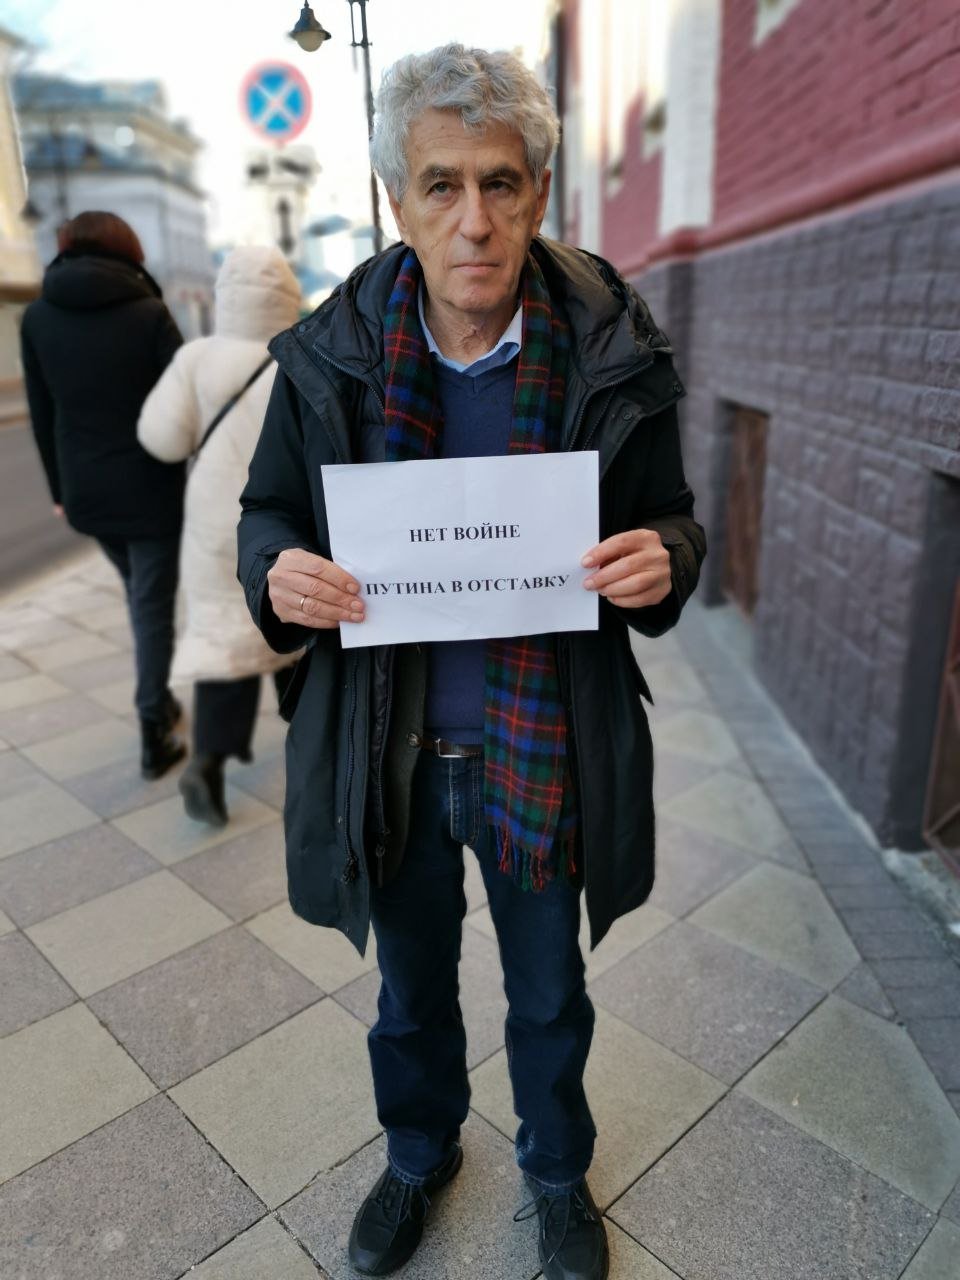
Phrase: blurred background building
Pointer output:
(19, 264)
(780, 179)
(112, 145)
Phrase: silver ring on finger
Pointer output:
(302, 598)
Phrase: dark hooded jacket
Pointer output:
(93, 345)
(356, 714)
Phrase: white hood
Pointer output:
(257, 295)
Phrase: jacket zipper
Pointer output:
(351, 870)
(351, 373)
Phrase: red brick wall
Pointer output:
(630, 218)
(835, 85)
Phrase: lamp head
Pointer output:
(308, 32)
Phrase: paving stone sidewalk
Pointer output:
(776, 1071)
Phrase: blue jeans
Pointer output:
(149, 570)
(418, 1045)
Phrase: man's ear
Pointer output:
(396, 208)
(543, 195)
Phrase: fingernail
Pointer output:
(587, 561)
(357, 606)
(353, 588)
(590, 583)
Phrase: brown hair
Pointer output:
(97, 231)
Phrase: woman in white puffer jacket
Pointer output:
(218, 647)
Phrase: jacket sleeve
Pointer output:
(169, 427)
(664, 502)
(42, 413)
(277, 513)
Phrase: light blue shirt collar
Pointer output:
(506, 349)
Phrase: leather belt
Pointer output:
(450, 750)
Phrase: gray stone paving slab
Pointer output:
(143, 1198)
(473, 886)
(40, 812)
(951, 1207)
(188, 1011)
(25, 726)
(630, 1261)
(28, 638)
(69, 649)
(244, 875)
(97, 672)
(62, 1077)
(31, 989)
(116, 697)
(785, 918)
(861, 987)
(17, 774)
(469, 1232)
(265, 1252)
(91, 747)
(6, 925)
(642, 1096)
(886, 894)
(707, 1000)
(323, 955)
(692, 866)
(698, 734)
(111, 937)
(266, 779)
(164, 829)
(482, 1001)
(118, 788)
(61, 874)
(938, 1039)
(746, 1196)
(939, 1255)
(12, 668)
(733, 808)
(29, 690)
(294, 1101)
(857, 1082)
(675, 773)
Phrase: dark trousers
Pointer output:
(225, 714)
(149, 569)
(418, 1045)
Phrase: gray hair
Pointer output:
(483, 88)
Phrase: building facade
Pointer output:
(113, 146)
(781, 180)
(19, 264)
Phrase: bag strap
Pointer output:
(231, 402)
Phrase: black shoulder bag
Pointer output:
(230, 403)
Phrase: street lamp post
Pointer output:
(310, 35)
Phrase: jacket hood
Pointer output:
(611, 326)
(91, 281)
(257, 294)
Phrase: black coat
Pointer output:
(351, 746)
(93, 345)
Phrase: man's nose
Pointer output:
(475, 221)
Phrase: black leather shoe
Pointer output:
(160, 750)
(573, 1241)
(173, 712)
(201, 785)
(389, 1226)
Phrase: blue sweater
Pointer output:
(477, 419)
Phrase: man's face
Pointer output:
(469, 212)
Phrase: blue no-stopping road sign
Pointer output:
(275, 99)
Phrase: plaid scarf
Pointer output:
(528, 792)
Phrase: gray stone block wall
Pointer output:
(846, 333)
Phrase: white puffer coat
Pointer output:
(257, 295)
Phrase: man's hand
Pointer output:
(634, 569)
(58, 510)
(313, 592)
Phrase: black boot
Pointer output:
(389, 1225)
(173, 710)
(160, 750)
(573, 1242)
(201, 785)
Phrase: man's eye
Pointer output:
(440, 188)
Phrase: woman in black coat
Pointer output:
(93, 345)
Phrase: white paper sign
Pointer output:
(466, 548)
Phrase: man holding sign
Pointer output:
(474, 339)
